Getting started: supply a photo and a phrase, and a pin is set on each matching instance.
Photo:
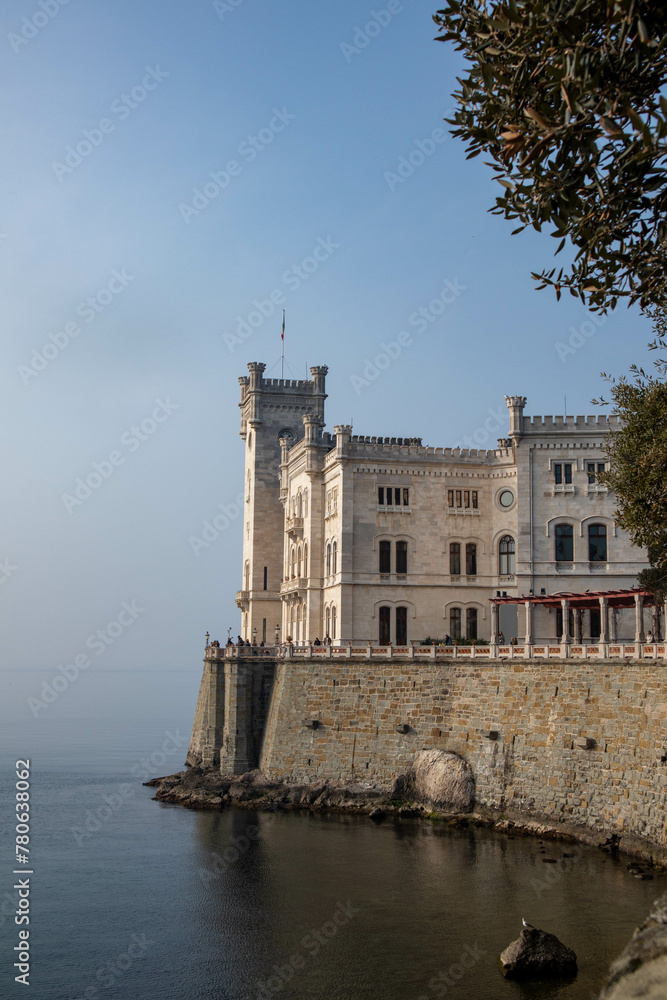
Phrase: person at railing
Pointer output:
(448, 640)
(229, 642)
(316, 641)
(649, 637)
(215, 644)
(327, 640)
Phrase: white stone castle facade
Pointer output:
(364, 538)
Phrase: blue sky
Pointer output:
(115, 116)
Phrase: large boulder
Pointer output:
(442, 779)
(537, 955)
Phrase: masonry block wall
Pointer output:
(516, 723)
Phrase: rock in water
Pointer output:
(441, 778)
(537, 955)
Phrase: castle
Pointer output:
(384, 539)
(380, 543)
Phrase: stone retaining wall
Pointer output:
(578, 742)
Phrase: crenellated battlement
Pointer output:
(385, 440)
(367, 446)
(594, 422)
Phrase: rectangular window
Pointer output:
(455, 559)
(471, 623)
(406, 498)
(450, 498)
(401, 626)
(459, 495)
(266, 577)
(381, 496)
(564, 543)
(401, 557)
(558, 474)
(455, 623)
(474, 495)
(466, 498)
(385, 557)
(385, 626)
(590, 469)
(600, 467)
(568, 472)
(597, 543)
(471, 559)
(264, 631)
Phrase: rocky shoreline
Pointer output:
(206, 788)
(640, 971)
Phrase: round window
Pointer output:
(506, 498)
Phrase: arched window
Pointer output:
(401, 626)
(506, 556)
(564, 543)
(334, 557)
(385, 626)
(299, 505)
(305, 503)
(597, 542)
(471, 559)
(385, 557)
(455, 623)
(328, 558)
(333, 622)
(401, 557)
(471, 623)
(327, 621)
(455, 559)
(294, 560)
(299, 561)
(305, 559)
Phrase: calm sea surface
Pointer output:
(134, 899)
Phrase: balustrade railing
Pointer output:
(414, 651)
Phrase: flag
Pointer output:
(282, 335)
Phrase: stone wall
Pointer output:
(577, 742)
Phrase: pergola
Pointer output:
(601, 600)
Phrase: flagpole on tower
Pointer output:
(282, 349)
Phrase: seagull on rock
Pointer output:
(527, 926)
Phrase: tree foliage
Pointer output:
(638, 461)
(565, 97)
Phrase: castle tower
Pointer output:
(515, 404)
(271, 410)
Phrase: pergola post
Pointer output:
(639, 618)
(528, 641)
(613, 615)
(604, 627)
(565, 637)
(494, 624)
(577, 624)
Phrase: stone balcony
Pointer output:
(242, 599)
(295, 585)
(294, 526)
